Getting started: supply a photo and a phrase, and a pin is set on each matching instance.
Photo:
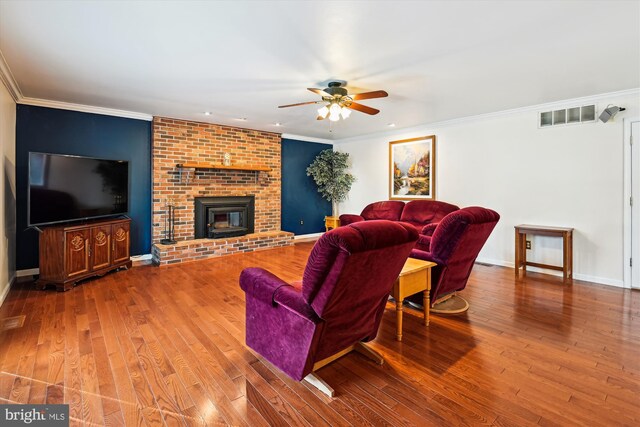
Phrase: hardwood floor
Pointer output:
(153, 346)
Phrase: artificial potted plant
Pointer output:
(329, 171)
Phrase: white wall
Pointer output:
(568, 176)
(8, 188)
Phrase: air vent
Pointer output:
(11, 323)
(567, 116)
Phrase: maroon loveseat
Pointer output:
(339, 303)
(419, 213)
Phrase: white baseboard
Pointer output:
(587, 278)
(28, 272)
(495, 262)
(141, 257)
(599, 280)
(305, 237)
(4, 294)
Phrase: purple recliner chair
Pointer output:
(454, 246)
(339, 304)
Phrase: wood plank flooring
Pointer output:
(165, 346)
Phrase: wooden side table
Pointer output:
(567, 248)
(331, 222)
(415, 277)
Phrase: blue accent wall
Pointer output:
(301, 201)
(56, 131)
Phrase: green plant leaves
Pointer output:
(329, 171)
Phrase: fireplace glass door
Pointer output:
(218, 217)
(223, 222)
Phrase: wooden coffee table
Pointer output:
(415, 277)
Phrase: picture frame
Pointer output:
(412, 169)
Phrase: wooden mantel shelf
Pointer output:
(237, 167)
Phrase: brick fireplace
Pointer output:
(177, 142)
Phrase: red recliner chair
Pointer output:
(454, 246)
(339, 304)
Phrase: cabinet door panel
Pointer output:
(120, 242)
(100, 247)
(76, 252)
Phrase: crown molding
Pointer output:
(307, 138)
(9, 81)
(504, 113)
(6, 76)
(84, 108)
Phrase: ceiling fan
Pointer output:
(338, 103)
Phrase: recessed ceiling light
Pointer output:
(278, 124)
(242, 119)
(391, 125)
(207, 113)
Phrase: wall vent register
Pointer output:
(566, 116)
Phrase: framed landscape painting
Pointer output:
(412, 168)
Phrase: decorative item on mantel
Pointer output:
(329, 171)
(169, 223)
(226, 159)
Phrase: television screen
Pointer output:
(69, 188)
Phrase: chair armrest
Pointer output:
(291, 299)
(428, 229)
(260, 284)
(267, 287)
(426, 256)
(346, 219)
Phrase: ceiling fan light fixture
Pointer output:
(338, 103)
(334, 112)
(322, 112)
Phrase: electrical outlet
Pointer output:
(301, 222)
(528, 244)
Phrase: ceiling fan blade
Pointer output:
(370, 95)
(320, 92)
(299, 103)
(363, 108)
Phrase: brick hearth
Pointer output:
(180, 141)
(196, 249)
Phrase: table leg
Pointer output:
(425, 302)
(570, 248)
(565, 253)
(399, 319)
(517, 261)
(523, 253)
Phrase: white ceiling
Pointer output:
(438, 60)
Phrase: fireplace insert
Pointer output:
(217, 217)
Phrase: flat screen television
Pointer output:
(66, 188)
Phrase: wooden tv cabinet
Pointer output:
(70, 253)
